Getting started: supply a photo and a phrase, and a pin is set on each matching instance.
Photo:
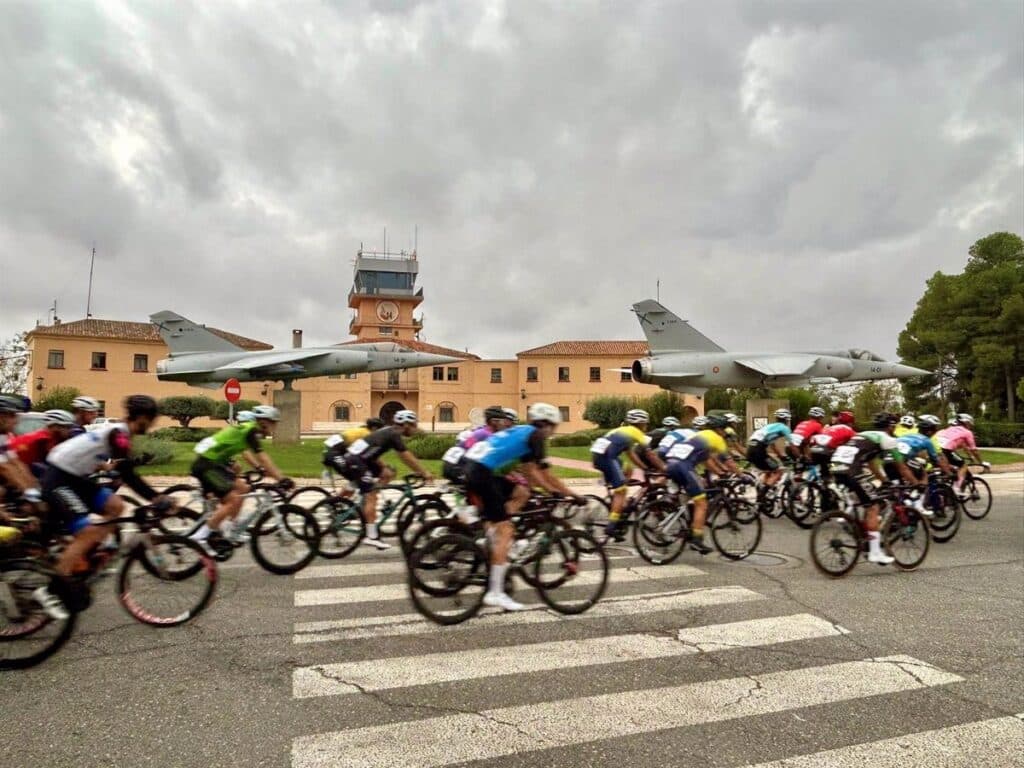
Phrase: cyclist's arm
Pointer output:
(651, 459)
(875, 465)
(252, 458)
(413, 463)
(14, 473)
(538, 475)
(120, 447)
(724, 465)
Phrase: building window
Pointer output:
(99, 361)
(563, 374)
(342, 411)
(103, 407)
(531, 373)
(563, 410)
(446, 413)
(140, 363)
(393, 379)
(55, 359)
(625, 375)
(351, 376)
(495, 375)
(334, 376)
(595, 373)
(387, 330)
(453, 374)
(438, 373)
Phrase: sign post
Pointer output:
(232, 393)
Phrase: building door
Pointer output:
(389, 409)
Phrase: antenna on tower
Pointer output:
(385, 240)
(658, 290)
(88, 301)
(415, 238)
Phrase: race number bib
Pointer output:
(453, 455)
(845, 454)
(796, 440)
(601, 445)
(478, 451)
(680, 451)
(204, 445)
(821, 440)
(904, 448)
(358, 447)
(333, 440)
(758, 436)
(944, 444)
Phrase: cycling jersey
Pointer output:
(731, 436)
(770, 433)
(955, 438)
(912, 444)
(229, 442)
(675, 436)
(698, 448)
(900, 431)
(831, 437)
(804, 431)
(337, 445)
(618, 440)
(862, 448)
(378, 443)
(655, 436)
(85, 454)
(33, 447)
(520, 444)
(455, 456)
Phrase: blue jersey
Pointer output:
(508, 447)
(770, 433)
(911, 444)
(680, 435)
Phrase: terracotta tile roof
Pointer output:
(416, 346)
(123, 330)
(590, 348)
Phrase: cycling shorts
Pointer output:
(954, 458)
(365, 473)
(862, 489)
(686, 476)
(214, 478)
(454, 473)
(757, 454)
(610, 467)
(493, 491)
(72, 499)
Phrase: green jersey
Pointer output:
(229, 442)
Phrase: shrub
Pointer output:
(428, 446)
(58, 397)
(583, 437)
(220, 410)
(185, 408)
(162, 451)
(182, 434)
(994, 434)
(610, 411)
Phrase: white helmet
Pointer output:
(543, 412)
(637, 416)
(511, 414)
(266, 413)
(907, 420)
(817, 412)
(83, 403)
(699, 422)
(783, 414)
(405, 417)
(731, 418)
(243, 416)
(670, 422)
(965, 419)
(59, 418)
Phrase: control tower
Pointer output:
(384, 296)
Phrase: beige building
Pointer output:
(111, 359)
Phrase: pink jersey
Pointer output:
(956, 437)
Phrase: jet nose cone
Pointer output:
(908, 371)
(426, 358)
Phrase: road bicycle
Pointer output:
(975, 495)
(595, 512)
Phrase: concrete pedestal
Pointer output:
(760, 412)
(289, 402)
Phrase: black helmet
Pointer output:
(11, 404)
(140, 405)
(717, 422)
(885, 420)
(374, 423)
(494, 412)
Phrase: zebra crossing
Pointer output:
(671, 652)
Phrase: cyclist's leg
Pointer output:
(615, 479)
(79, 501)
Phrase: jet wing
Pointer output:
(257, 360)
(779, 365)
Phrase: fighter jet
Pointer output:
(684, 360)
(202, 358)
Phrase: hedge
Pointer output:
(430, 446)
(994, 434)
(183, 434)
(162, 451)
(583, 437)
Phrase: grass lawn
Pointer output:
(1002, 457)
(303, 460)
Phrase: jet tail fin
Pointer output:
(183, 337)
(665, 332)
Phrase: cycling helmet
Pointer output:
(266, 413)
(140, 405)
(816, 413)
(406, 417)
(731, 418)
(927, 424)
(671, 422)
(783, 414)
(717, 422)
(884, 420)
(637, 416)
(964, 419)
(700, 422)
(373, 423)
(511, 414)
(495, 412)
(83, 403)
(9, 404)
(59, 418)
(907, 421)
(243, 416)
(543, 412)
(845, 417)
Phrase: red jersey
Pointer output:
(833, 436)
(32, 447)
(804, 431)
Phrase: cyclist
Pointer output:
(453, 463)
(918, 450)
(824, 444)
(958, 436)
(85, 409)
(766, 450)
(801, 439)
(907, 425)
(245, 416)
(33, 447)
(863, 451)
(337, 445)
(13, 473)
(522, 447)
(216, 471)
(605, 452)
(685, 462)
(655, 436)
(363, 467)
(732, 437)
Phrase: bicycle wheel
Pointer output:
(285, 539)
(593, 516)
(190, 506)
(341, 526)
(559, 577)
(804, 505)
(836, 544)
(946, 515)
(977, 498)
(426, 512)
(28, 636)
(152, 585)
(734, 533)
(448, 578)
(308, 497)
(908, 539)
(660, 532)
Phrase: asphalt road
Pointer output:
(702, 662)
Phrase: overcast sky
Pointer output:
(791, 171)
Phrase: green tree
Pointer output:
(220, 411)
(800, 401)
(607, 412)
(185, 408)
(58, 397)
(875, 397)
(14, 359)
(1020, 390)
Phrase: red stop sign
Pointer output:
(232, 390)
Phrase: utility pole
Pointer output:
(88, 301)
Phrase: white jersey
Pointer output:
(680, 435)
(84, 454)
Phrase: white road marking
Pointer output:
(398, 672)
(379, 568)
(384, 592)
(515, 730)
(414, 624)
(986, 742)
